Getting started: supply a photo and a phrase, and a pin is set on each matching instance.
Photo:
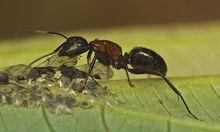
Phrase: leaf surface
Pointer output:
(191, 51)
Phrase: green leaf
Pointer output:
(189, 50)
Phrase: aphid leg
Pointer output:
(179, 94)
(17, 85)
(89, 72)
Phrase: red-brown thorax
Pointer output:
(107, 47)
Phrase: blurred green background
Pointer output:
(69, 15)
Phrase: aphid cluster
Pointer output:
(139, 60)
(33, 89)
(53, 83)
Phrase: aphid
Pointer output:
(4, 80)
(69, 73)
(146, 61)
(72, 73)
(22, 72)
(37, 72)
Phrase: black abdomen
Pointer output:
(144, 58)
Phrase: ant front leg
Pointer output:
(89, 72)
(89, 56)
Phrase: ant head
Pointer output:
(74, 46)
(145, 60)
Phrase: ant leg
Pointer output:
(89, 72)
(126, 70)
(95, 81)
(142, 71)
(89, 56)
(34, 61)
(129, 81)
(179, 94)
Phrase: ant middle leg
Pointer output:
(89, 72)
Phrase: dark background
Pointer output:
(67, 15)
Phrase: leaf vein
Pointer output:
(198, 101)
(45, 117)
(103, 118)
(214, 90)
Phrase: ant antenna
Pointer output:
(178, 93)
(43, 32)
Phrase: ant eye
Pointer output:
(78, 44)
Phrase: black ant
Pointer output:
(142, 60)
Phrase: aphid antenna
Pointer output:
(43, 32)
(178, 93)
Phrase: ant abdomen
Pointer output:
(147, 61)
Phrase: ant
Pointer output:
(141, 59)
